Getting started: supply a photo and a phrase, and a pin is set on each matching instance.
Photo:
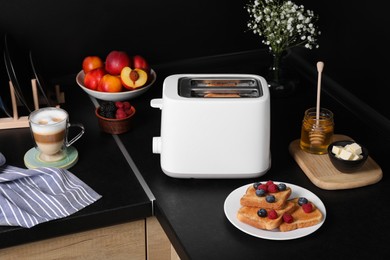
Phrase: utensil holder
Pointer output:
(21, 122)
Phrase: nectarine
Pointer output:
(116, 61)
(140, 62)
(110, 83)
(93, 77)
(133, 78)
(92, 62)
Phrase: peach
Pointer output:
(91, 63)
(140, 62)
(93, 77)
(115, 61)
(110, 83)
(133, 78)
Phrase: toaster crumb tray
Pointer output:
(320, 171)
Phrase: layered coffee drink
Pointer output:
(49, 128)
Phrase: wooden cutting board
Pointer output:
(320, 170)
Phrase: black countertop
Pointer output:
(191, 210)
(101, 165)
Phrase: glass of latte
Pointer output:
(49, 128)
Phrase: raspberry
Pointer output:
(307, 208)
(272, 214)
(273, 188)
(120, 114)
(263, 187)
(128, 111)
(118, 104)
(287, 218)
(126, 104)
(269, 183)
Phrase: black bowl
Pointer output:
(347, 166)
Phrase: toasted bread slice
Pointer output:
(302, 219)
(250, 199)
(249, 216)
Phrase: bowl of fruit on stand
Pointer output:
(119, 77)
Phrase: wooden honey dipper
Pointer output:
(316, 135)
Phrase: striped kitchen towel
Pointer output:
(32, 196)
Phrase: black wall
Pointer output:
(353, 44)
(61, 33)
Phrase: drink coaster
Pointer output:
(32, 160)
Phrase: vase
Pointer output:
(280, 80)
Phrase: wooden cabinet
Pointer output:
(142, 239)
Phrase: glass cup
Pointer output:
(49, 128)
(317, 133)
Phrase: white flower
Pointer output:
(282, 24)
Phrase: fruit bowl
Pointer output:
(115, 96)
(347, 166)
(115, 126)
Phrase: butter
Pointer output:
(349, 152)
(354, 147)
(336, 150)
(345, 154)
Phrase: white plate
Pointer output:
(114, 96)
(232, 205)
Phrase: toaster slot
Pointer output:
(219, 87)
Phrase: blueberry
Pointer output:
(282, 186)
(260, 192)
(256, 184)
(262, 213)
(302, 200)
(270, 198)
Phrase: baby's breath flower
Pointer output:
(283, 24)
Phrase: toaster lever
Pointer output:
(156, 103)
(156, 145)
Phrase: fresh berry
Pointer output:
(272, 214)
(270, 198)
(282, 186)
(273, 188)
(260, 192)
(287, 218)
(256, 184)
(307, 208)
(107, 109)
(109, 114)
(119, 104)
(263, 187)
(128, 111)
(262, 213)
(110, 106)
(120, 114)
(302, 200)
(126, 105)
(115, 110)
(269, 183)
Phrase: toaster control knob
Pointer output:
(156, 144)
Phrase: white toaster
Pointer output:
(214, 126)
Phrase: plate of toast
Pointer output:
(275, 210)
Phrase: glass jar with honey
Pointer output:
(317, 130)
